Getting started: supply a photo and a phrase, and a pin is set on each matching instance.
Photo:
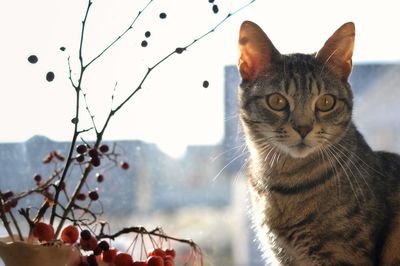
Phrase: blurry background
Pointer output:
(182, 140)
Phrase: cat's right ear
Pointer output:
(256, 51)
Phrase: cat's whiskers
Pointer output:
(228, 164)
(236, 148)
(337, 159)
(331, 162)
(352, 157)
(346, 160)
(361, 160)
(349, 157)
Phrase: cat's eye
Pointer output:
(325, 103)
(277, 102)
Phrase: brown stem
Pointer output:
(76, 119)
(16, 226)
(4, 219)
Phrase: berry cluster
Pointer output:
(94, 251)
(94, 155)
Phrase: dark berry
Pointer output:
(93, 195)
(215, 9)
(33, 59)
(37, 177)
(50, 76)
(93, 153)
(95, 161)
(80, 158)
(103, 245)
(99, 178)
(74, 120)
(62, 48)
(144, 43)
(125, 165)
(206, 84)
(81, 149)
(179, 50)
(81, 196)
(13, 203)
(8, 194)
(86, 235)
(211, 1)
(163, 15)
(147, 34)
(104, 148)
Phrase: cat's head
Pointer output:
(299, 103)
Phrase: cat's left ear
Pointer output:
(338, 50)
(257, 52)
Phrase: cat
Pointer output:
(319, 194)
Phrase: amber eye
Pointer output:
(325, 103)
(276, 102)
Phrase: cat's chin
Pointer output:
(300, 151)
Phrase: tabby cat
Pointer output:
(320, 195)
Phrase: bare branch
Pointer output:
(120, 36)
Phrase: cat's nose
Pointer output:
(303, 130)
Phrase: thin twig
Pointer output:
(120, 36)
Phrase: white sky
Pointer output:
(173, 109)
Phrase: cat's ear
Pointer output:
(256, 51)
(338, 50)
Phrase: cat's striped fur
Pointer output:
(320, 195)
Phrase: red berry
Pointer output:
(99, 177)
(93, 195)
(123, 259)
(70, 234)
(171, 252)
(90, 244)
(43, 231)
(109, 255)
(81, 196)
(155, 261)
(81, 149)
(169, 261)
(104, 148)
(157, 252)
(37, 177)
(139, 263)
(125, 165)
